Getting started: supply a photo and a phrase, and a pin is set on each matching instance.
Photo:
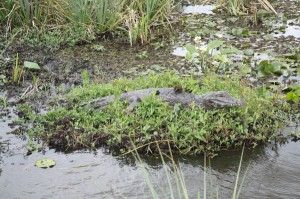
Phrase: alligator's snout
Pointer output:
(222, 99)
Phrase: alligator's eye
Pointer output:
(222, 95)
(210, 102)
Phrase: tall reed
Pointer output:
(141, 16)
(177, 187)
(97, 16)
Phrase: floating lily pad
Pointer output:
(214, 44)
(269, 37)
(236, 31)
(229, 50)
(265, 68)
(245, 70)
(45, 163)
(249, 52)
(232, 19)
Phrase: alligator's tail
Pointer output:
(99, 103)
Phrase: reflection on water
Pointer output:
(290, 30)
(197, 9)
(179, 51)
(273, 173)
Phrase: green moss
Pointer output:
(191, 130)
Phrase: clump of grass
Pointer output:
(141, 15)
(240, 7)
(192, 130)
(94, 16)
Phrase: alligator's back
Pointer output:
(219, 99)
(169, 95)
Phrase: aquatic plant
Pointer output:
(18, 71)
(175, 179)
(205, 58)
(294, 93)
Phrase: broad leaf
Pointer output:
(31, 65)
(45, 163)
(189, 56)
(221, 58)
(245, 70)
(265, 68)
(249, 52)
(214, 44)
(191, 48)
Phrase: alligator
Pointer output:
(219, 99)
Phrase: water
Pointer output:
(179, 51)
(273, 173)
(198, 9)
(291, 29)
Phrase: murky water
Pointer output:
(273, 173)
(292, 29)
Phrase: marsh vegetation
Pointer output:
(56, 55)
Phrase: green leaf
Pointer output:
(229, 50)
(214, 44)
(45, 163)
(292, 96)
(269, 37)
(189, 56)
(245, 32)
(221, 58)
(249, 52)
(245, 70)
(237, 31)
(265, 68)
(232, 19)
(277, 68)
(292, 56)
(211, 24)
(191, 48)
(31, 65)
(295, 87)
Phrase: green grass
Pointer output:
(192, 130)
(46, 18)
